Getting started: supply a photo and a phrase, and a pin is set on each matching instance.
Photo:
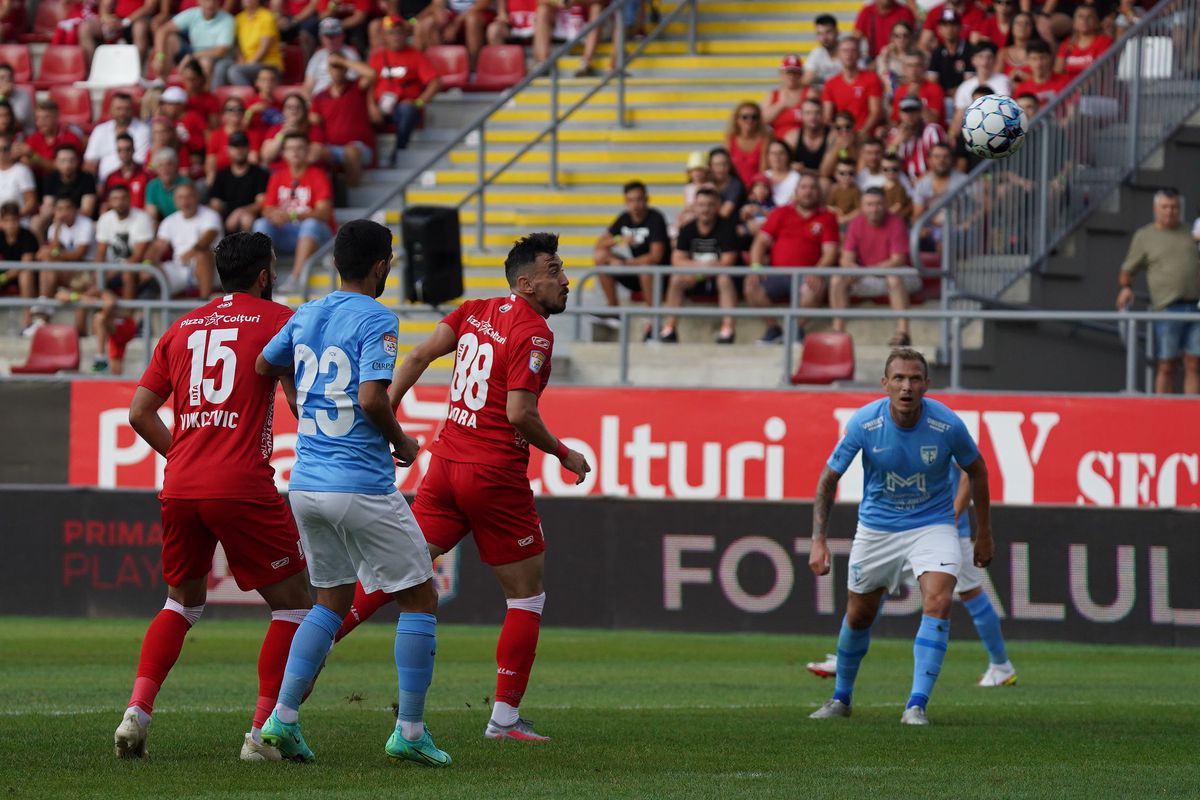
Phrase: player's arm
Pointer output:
(143, 417)
(977, 472)
(818, 556)
(264, 367)
(373, 400)
(523, 414)
(410, 370)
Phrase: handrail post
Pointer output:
(623, 359)
(1131, 355)
(619, 61)
(1043, 199)
(1135, 102)
(481, 201)
(692, 27)
(554, 125)
(947, 282)
(956, 354)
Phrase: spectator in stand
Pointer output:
(17, 98)
(914, 138)
(100, 158)
(808, 142)
(698, 177)
(782, 109)
(998, 27)
(130, 22)
(257, 35)
(941, 179)
(210, 34)
(406, 82)
(233, 121)
(779, 170)
(200, 100)
(844, 196)
(17, 184)
(263, 111)
(822, 61)
(190, 233)
(1086, 44)
(1029, 104)
(801, 234)
(128, 173)
(354, 16)
(295, 120)
(949, 61)
(728, 186)
(1042, 82)
(17, 244)
(70, 238)
(342, 110)
(237, 192)
(876, 24)
(1168, 255)
(160, 193)
(1053, 24)
(298, 21)
(66, 179)
(983, 59)
(897, 190)
(190, 128)
(547, 16)
(1014, 58)
(49, 134)
(970, 15)
(746, 139)
(854, 90)
(870, 164)
(876, 238)
(890, 61)
(844, 144)
(333, 42)
(918, 83)
(10, 127)
(637, 237)
(753, 215)
(707, 241)
(13, 21)
(297, 208)
(465, 20)
(123, 235)
(163, 137)
(515, 21)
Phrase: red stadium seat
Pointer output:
(282, 93)
(500, 66)
(45, 19)
(61, 64)
(450, 62)
(293, 64)
(827, 357)
(74, 105)
(55, 348)
(17, 56)
(244, 93)
(135, 92)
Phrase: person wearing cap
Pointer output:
(876, 21)
(257, 34)
(971, 17)
(190, 127)
(237, 191)
(949, 63)
(637, 237)
(354, 16)
(205, 34)
(857, 91)
(333, 41)
(782, 107)
(343, 111)
(696, 170)
(914, 138)
(916, 82)
(406, 81)
(983, 59)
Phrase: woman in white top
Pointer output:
(779, 170)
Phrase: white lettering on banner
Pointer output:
(1135, 475)
(675, 575)
(610, 459)
(781, 561)
(1081, 597)
(1022, 605)
(553, 472)
(1161, 612)
(824, 601)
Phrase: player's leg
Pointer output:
(290, 602)
(936, 557)
(677, 286)
(1000, 671)
(516, 649)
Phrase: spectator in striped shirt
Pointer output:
(914, 138)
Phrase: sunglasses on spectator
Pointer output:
(845, 173)
(232, 110)
(843, 127)
(748, 116)
(891, 169)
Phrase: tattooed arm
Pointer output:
(818, 559)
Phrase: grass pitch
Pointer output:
(639, 714)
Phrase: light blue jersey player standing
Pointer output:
(353, 523)
(906, 521)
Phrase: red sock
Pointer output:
(272, 658)
(160, 651)
(515, 652)
(363, 607)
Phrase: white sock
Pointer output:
(411, 730)
(504, 714)
(256, 735)
(287, 716)
(142, 716)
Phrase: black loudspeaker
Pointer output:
(433, 269)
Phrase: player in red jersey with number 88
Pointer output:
(477, 480)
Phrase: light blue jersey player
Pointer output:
(906, 521)
(354, 525)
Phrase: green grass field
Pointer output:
(634, 714)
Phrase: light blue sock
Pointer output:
(929, 650)
(987, 624)
(851, 647)
(416, 646)
(310, 645)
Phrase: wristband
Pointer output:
(756, 266)
(561, 451)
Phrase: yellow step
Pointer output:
(541, 99)
(522, 198)
(567, 83)
(614, 177)
(711, 117)
(765, 62)
(588, 157)
(525, 220)
(718, 47)
(505, 240)
(417, 326)
(708, 138)
(714, 29)
(749, 9)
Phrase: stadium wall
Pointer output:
(1061, 573)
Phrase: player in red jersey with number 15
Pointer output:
(477, 480)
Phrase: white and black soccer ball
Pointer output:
(994, 126)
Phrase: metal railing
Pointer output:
(398, 197)
(1011, 213)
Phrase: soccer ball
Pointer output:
(994, 126)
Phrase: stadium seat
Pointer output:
(281, 93)
(827, 357)
(293, 64)
(244, 93)
(17, 56)
(74, 105)
(450, 62)
(135, 92)
(500, 67)
(45, 20)
(61, 64)
(113, 65)
(55, 348)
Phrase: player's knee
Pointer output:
(533, 604)
(938, 604)
(189, 612)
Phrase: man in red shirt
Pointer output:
(875, 238)
(406, 82)
(219, 485)
(971, 15)
(804, 234)
(917, 83)
(1043, 83)
(191, 126)
(342, 110)
(477, 480)
(875, 22)
(297, 207)
(128, 173)
(199, 99)
(860, 92)
(49, 135)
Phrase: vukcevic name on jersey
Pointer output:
(906, 471)
(334, 344)
(503, 344)
(221, 445)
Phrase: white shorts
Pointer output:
(969, 576)
(180, 277)
(880, 560)
(869, 286)
(371, 538)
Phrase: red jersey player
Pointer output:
(219, 485)
(477, 481)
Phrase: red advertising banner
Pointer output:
(709, 444)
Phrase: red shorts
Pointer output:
(259, 538)
(493, 503)
(123, 332)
